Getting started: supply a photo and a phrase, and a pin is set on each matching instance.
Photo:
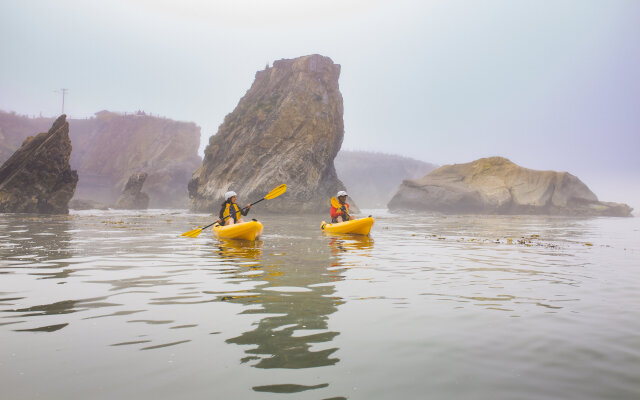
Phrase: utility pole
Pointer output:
(63, 91)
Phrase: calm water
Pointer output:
(105, 305)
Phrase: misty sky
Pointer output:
(548, 84)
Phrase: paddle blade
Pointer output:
(193, 232)
(276, 192)
(335, 203)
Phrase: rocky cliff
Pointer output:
(287, 128)
(110, 147)
(373, 178)
(497, 186)
(37, 178)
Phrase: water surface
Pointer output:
(106, 304)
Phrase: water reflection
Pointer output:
(239, 249)
(343, 243)
(296, 297)
(39, 241)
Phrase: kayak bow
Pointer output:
(360, 226)
(250, 230)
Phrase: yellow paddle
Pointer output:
(271, 195)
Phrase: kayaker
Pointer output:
(340, 214)
(231, 211)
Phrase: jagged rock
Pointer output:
(37, 178)
(132, 197)
(287, 128)
(109, 147)
(373, 178)
(497, 186)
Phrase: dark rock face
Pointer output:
(132, 197)
(37, 178)
(497, 186)
(287, 128)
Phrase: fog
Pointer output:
(549, 85)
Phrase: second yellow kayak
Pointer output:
(250, 230)
(360, 226)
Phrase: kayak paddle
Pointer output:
(336, 204)
(271, 195)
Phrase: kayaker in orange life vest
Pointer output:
(231, 209)
(340, 214)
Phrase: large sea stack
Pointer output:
(37, 178)
(287, 128)
(497, 186)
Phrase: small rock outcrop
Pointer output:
(132, 197)
(37, 178)
(498, 186)
(287, 128)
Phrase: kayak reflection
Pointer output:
(239, 249)
(295, 292)
(341, 243)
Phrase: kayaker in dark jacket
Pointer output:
(231, 211)
(340, 214)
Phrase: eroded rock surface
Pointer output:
(287, 128)
(132, 197)
(497, 186)
(37, 178)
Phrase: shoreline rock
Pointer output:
(496, 185)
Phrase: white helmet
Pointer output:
(229, 195)
(342, 193)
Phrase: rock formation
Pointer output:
(37, 178)
(497, 186)
(373, 178)
(287, 128)
(110, 147)
(132, 197)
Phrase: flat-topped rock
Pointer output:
(498, 186)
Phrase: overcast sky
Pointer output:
(549, 84)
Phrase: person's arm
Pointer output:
(245, 210)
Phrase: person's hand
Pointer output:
(248, 206)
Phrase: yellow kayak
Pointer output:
(250, 230)
(360, 226)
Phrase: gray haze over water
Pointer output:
(549, 85)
